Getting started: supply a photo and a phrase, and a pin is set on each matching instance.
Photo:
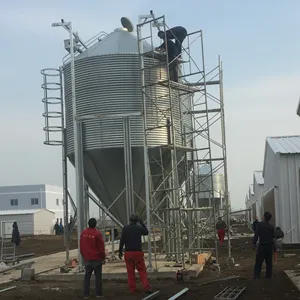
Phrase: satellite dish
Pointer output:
(126, 23)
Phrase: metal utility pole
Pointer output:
(77, 140)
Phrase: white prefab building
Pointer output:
(258, 189)
(33, 197)
(282, 184)
(250, 202)
(30, 222)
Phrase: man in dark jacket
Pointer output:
(254, 224)
(221, 226)
(265, 235)
(131, 237)
(15, 238)
(178, 34)
(93, 252)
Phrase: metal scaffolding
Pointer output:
(194, 122)
(183, 224)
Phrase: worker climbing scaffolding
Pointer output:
(174, 49)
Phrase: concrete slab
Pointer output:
(42, 264)
(294, 276)
(117, 271)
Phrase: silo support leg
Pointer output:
(128, 167)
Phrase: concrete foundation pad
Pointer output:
(116, 270)
(294, 276)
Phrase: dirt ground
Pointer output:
(280, 287)
(44, 245)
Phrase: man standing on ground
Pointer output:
(265, 235)
(221, 226)
(254, 224)
(131, 237)
(93, 252)
(15, 238)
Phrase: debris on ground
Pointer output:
(219, 279)
(230, 293)
(287, 255)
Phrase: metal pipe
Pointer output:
(65, 196)
(179, 294)
(227, 200)
(128, 168)
(209, 146)
(86, 204)
(146, 166)
(113, 257)
(97, 202)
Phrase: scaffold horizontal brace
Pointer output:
(195, 112)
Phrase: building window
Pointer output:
(57, 201)
(34, 201)
(14, 202)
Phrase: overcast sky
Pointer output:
(258, 41)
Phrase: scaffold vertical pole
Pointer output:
(145, 147)
(226, 196)
(209, 146)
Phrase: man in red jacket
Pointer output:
(93, 252)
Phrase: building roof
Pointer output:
(247, 197)
(251, 189)
(258, 175)
(21, 212)
(285, 144)
(282, 145)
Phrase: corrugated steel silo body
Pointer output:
(204, 186)
(108, 82)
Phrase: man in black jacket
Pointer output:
(265, 234)
(254, 224)
(131, 237)
(178, 34)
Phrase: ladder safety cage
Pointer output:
(53, 106)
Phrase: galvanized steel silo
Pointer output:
(108, 82)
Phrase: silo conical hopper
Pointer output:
(108, 82)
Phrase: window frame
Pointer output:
(33, 200)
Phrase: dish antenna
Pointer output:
(126, 23)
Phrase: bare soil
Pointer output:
(44, 244)
(279, 287)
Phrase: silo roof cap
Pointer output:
(118, 42)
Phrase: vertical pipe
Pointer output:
(65, 196)
(175, 185)
(113, 257)
(77, 150)
(65, 172)
(80, 189)
(86, 204)
(128, 167)
(226, 194)
(146, 166)
(209, 145)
